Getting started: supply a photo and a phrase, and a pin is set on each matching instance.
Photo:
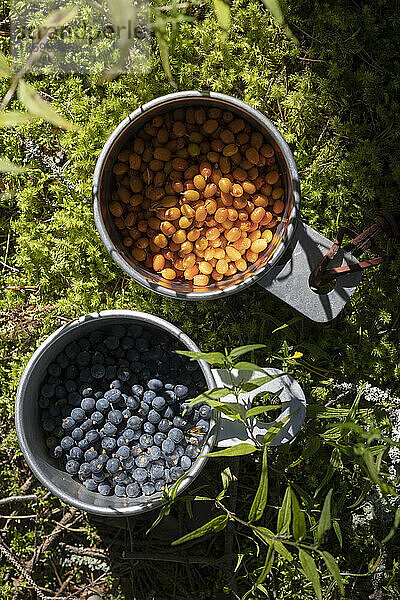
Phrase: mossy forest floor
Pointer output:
(336, 100)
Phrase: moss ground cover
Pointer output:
(335, 98)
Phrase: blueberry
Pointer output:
(140, 475)
(86, 425)
(123, 374)
(167, 476)
(111, 342)
(120, 490)
(159, 437)
(172, 458)
(179, 422)
(113, 465)
(142, 344)
(146, 440)
(132, 490)
(154, 417)
(168, 446)
(122, 452)
(128, 463)
(70, 386)
(92, 436)
(202, 426)
(90, 454)
(142, 460)
(90, 484)
(116, 384)
(176, 472)
(155, 453)
(169, 386)
(157, 471)
(128, 435)
(78, 414)
(137, 390)
(49, 425)
(159, 485)
(77, 434)
(205, 411)
(180, 450)
(98, 395)
(86, 392)
(134, 422)
(47, 391)
(148, 489)
(109, 429)
(95, 337)
(170, 397)
(83, 444)
(120, 477)
(144, 409)
(155, 385)
(85, 470)
(83, 358)
(137, 367)
(149, 427)
(62, 360)
(186, 463)
(98, 371)
(164, 425)
(97, 417)
(104, 489)
(108, 444)
(136, 450)
(88, 404)
(136, 435)
(132, 402)
(135, 331)
(132, 355)
(74, 398)
(98, 359)
(115, 417)
(54, 369)
(68, 423)
(72, 350)
(57, 451)
(188, 409)
(60, 391)
(102, 405)
(176, 435)
(113, 395)
(192, 451)
(168, 413)
(181, 391)
(149, 396)
(111, 372)
(44, 402)
(158, 403)
(155, 353)
(126, 414)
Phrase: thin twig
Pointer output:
(11, 499)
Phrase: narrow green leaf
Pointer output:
(11, 118)
(254, 384)
(310, 569)
(213, 358)
(6, 166)
(213, 394)
(161, 35)
(248, 366)
(269, 559)
(231, 409)
(338, 531)
(124, 20)
(298, 518)
(240, 350)
(268, 537)
(5, 70)
(395, 525)
(373, 473)
(227, 478)
(260, 498)
(289, 323)
(223, 13)
(216, 524)
(174, 490)
(237, 450)
(285, 513)
(333, 569)
(259, 410)
(163, 513)
(324, 523)
(38, 107)
(275, 9)
(275, 429)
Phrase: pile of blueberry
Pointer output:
(112, 409)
